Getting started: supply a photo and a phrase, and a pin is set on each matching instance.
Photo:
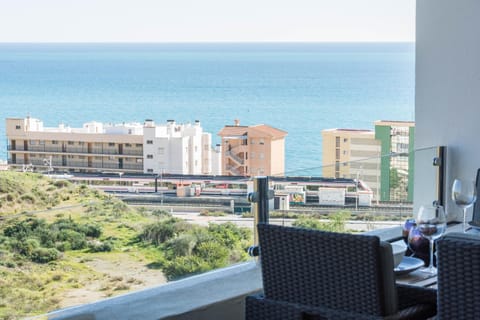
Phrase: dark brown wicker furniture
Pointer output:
(310, 274)
(458, 276)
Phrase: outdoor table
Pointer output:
(424, 279)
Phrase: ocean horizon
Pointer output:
(301, 88)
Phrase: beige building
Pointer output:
(252, 150)
(354, 154)
(127, 147)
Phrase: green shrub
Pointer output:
(161, 213)
(61, 183)
(308, 223)
(185, 265)
(214, 253)
(181, 245)
(44, 255)
(161, 231)
(100, 246)
(77, 240)
(92, 230)
(28, 198)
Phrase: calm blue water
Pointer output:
(299, 88)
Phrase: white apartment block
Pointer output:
(177, 148)
(97, 147)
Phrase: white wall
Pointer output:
(447, 102)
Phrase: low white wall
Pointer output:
(217, 294)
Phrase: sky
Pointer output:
(206, 20)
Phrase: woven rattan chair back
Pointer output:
(317, 268)
(458, 276)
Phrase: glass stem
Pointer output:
(430, 267)
(464, 219)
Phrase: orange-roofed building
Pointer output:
(253, 150)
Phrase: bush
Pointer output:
(44, 255)
(61, 183)
(161, 213)
(28, 198)
(187, 265)
(99, 246)
(182, 245)
(164, 230)
(214, 253)
(308, 223)
(77, 240)
(92, 230)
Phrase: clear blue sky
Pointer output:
(206, 20)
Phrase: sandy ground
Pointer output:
(115, 276)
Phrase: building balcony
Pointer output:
(78, 152)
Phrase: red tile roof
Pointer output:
(260, 130)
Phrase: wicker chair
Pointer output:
(458, 276)
(310, 274)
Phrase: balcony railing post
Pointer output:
(259, 199)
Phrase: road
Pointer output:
(359, 226)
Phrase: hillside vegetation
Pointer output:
(63, 244)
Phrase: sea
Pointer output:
(301, 88)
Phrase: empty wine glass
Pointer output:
(431, 223)
(464, 194)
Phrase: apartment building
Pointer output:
(353, 154)
(382, 158)
(177, 148)
(126, 147)
(397, 169)
(252, 150)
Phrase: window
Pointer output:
(18, 127)
(81, 143)
(111, 144)
(161, 151)
(54, 142)
(139, 145)
(345, 139)
(262, 141)
(149, 156)
(32, 142)
(150, 170)
(128, 145)
(139, 160)
(262, 155)
(252, 141)
(149, 141)
(252, 155)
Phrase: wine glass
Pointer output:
(464, 194)
(431, 223)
